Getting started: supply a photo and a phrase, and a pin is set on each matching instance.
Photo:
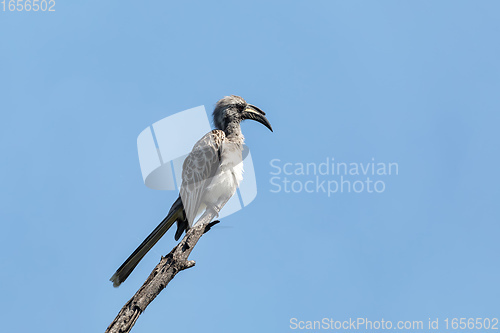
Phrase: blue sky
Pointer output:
(410, 82)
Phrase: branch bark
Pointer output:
(162, 274)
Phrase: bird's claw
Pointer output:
(210, 225)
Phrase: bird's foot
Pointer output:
(210, 225)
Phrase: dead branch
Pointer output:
(162, 274)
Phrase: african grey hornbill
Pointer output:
(210, 175)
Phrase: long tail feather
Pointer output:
(128, 266)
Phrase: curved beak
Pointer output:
(254, 113)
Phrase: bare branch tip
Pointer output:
(188, 264)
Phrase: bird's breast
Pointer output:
(228, 176)
(232, 162)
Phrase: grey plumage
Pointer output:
(210, 175)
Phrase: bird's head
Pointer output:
(234, 109)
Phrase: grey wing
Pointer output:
(198, 170)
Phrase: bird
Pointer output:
(211, 173)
